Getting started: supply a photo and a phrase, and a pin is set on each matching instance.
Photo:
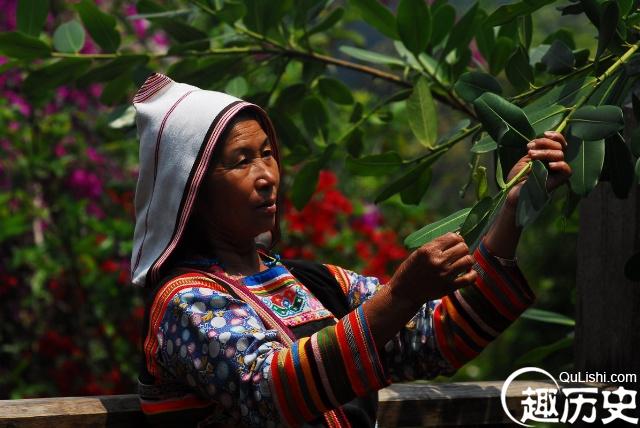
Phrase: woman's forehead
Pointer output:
(246, 131)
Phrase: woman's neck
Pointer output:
(239, 257)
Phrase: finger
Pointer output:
(562, 168)
(556, 136)
(466, 279)
(459, 250)
(461, 266)
(544, 143)
(547, 155)
(447, 241)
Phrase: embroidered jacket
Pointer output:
(218, 347)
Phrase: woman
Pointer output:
(235, 336)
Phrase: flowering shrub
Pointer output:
(328, 230)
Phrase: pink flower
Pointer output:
(160, 39)
(94, 156)
(85, 184)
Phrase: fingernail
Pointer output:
(530, 145)
(549, 133)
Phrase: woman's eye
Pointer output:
(267, 153)
(242, 162)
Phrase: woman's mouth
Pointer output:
(269, 207)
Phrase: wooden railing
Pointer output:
(408, 404)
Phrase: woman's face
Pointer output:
(238, 197)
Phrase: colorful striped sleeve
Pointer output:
(448, 332)
(218, 345)
(466, 321)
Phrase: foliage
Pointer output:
(365, 100)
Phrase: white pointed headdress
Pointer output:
(178, 127)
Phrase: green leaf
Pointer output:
(480, 218)
(632, 267)
(595, 123)
(332, 19)
(55, 74)
(305, 183)
(31, 16)
(482, 184)
(562, 34)
(533, 195)
(485, 144)
(518, 70)
(485, 37)
(407, 179)
(374, 165)
(412, 194)
(116, 90)
(69, 37)
(111, 70)
(373, 57)
(100, 25)
(263, 15)
(306, 180)
(414, 25)
(505, 122)
(546, 119)
(431, 231)
(509, 12)
(610, 16)
(625, 7)
(421, 110)
(335, 90)
(462, 32)
(547, 317)
(474, 83)
(619, 166)
(502, 49)
(237, 87)
(443, 19)
(586, 159)
(559, 58)
(21, 46)
(315, 116)
(376, 15)
(536, 356)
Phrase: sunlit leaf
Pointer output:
(421, 110)
(546, 119)
(374, 165)
(237, 87)
(547, 317)
(69, 37)
(485, 144)
(431, 231)
(368, 56)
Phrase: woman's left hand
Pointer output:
(549, 149)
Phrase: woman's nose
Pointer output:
(267, 174)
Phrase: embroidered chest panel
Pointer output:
(290, 300)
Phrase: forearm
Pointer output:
(502, 238)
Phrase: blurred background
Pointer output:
(68, 167)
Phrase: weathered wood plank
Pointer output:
(409, 404)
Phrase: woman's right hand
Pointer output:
(435, 270)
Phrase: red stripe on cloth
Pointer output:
(278, 390)
(440, 337)
(488, 293)
(500, 282)
(150, 87)
(183, 403)
(294, 386)
(364, 351)
(348, 359)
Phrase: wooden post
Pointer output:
(607, 304)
